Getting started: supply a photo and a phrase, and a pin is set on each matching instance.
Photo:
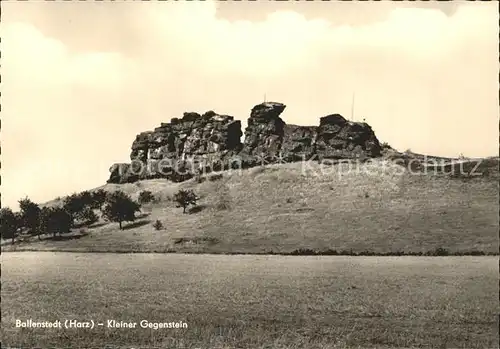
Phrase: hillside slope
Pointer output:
(281, 208)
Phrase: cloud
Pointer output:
(80, 81)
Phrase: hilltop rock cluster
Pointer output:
(211, 142)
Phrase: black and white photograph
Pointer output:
(249, 174)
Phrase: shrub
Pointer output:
(119, 207)
(146, 196)
(184, 198)
(158, 225)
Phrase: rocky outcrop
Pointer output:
(178, 149)
(299, 142)
(269, 139)
(264, 134)
(208, 142)
(339, 138)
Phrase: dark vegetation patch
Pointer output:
(436, 252)
(196, 240)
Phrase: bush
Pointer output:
(145, 197)
(158, 225)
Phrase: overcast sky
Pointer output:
(81, 79)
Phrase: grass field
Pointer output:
(281, 208)
(253, 301)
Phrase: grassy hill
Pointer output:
(375, 207)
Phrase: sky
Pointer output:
(81, 79)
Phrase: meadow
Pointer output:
(375, 207)
(252, 301)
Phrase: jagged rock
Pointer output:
(338, 138)
(211, 142)
(264, 133)
(299, 142)
(183, 145)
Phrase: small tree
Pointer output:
(87, 215)
(45, 223)
(30, 216)
(146, 196)
(54, 220)
(74, 205)
(184, 198)
(119, 207)
(62, 220)
(9, 223)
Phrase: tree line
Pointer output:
(79, 209)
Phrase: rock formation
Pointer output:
(339, 138)
(185, 146)
(178, 149)
(264, 134)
